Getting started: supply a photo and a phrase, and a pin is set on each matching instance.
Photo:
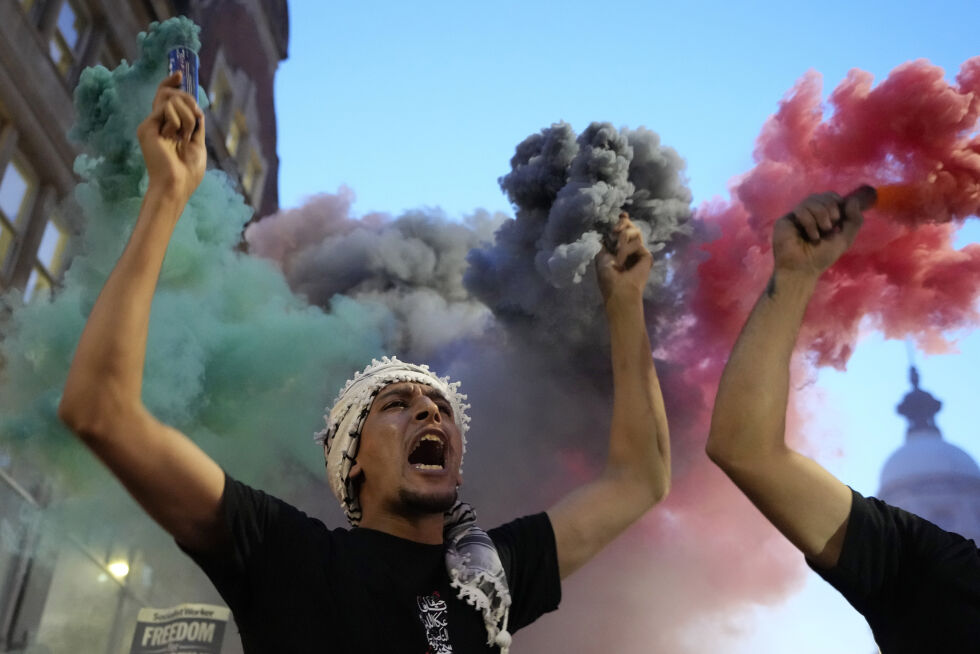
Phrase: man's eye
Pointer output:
(394, 403)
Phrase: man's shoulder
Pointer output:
(242, 498)
(529, 556)
(929, 578)
(536, 524)
(879, 532)
(524, 539)
(908, 526)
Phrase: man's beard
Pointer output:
(412, 503)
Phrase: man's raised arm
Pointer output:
(637, 471)
(747, 440)
(175, 481)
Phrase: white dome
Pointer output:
(925, 455)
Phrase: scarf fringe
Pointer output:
(495, 618)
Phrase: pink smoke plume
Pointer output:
(914, 136)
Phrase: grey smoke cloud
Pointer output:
(407, 269)
(568, 192)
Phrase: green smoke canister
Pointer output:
(185, 60)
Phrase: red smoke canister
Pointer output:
(185, 60)
(867, 196)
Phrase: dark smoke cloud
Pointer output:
(408, 270)
(568, 193)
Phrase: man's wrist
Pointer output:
(792, 281)
(168, 186)
(623, 302)
(165, 198)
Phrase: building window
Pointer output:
(20, 521)
(253, 171)
(38, 285)
(81, 605)
(18, 186)
(48, 264)
(220, 96)
(67, 36)
(237, 132)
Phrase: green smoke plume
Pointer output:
(234, 360)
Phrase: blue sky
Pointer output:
(422, 104)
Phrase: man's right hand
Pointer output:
(172, 140)
(816, 233)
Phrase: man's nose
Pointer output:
(426, 409)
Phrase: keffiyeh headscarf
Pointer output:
(472, 560)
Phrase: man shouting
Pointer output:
(414, 573)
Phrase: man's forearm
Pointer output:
(639, 444)
(747, 440)
(637, 472)
(107, 371)
(750, 408)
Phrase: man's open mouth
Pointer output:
(429, 453)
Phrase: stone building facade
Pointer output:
(45, 45)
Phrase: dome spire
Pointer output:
(928, 475)
(919, 407)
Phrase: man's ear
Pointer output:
(356, 470)
(459, 479)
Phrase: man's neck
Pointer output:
(425, 528)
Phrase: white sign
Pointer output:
(187, 629)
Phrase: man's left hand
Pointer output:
(623, 275)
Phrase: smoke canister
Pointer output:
(184, 59)
(866, 195)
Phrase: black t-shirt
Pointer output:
(917, 585)
(295, 586)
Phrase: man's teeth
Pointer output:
(428, 453)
